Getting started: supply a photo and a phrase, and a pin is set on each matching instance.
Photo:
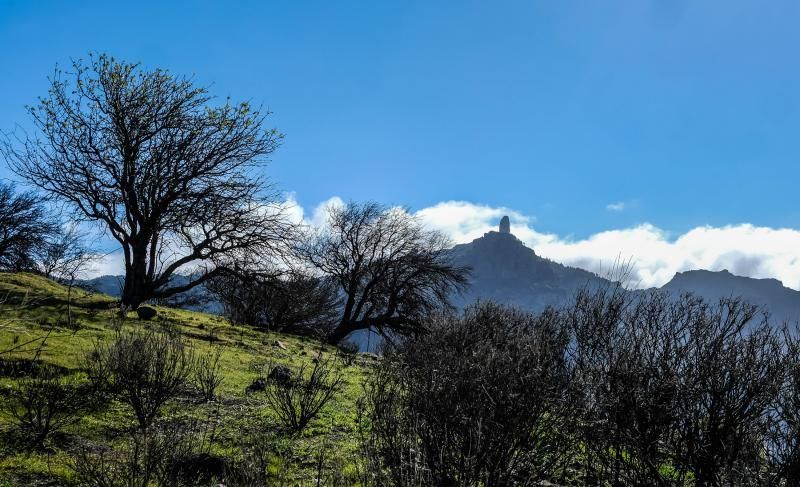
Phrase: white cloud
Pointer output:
(320, 213)
(110, 264)
(654, 254)
(619, 206)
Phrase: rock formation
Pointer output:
(505, 225)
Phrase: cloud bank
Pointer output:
(654, 254)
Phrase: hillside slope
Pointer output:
(33, 315)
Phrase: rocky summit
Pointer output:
(506, 271)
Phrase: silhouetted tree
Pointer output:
(390, 271)
(66, 255)
(25, 228)
(170, 177)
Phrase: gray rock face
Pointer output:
(507, 272)
(505, 225)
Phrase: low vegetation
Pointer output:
(87, 388)
(613, 389)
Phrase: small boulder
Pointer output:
(279, 344)
(258, 385)
(146, 312)
(280, 374)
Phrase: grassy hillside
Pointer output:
(33, 316)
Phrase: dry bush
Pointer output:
(145, 369)
(482, 399)
(299, 399)
(673, 390)
(167, 455)
(207, 374)
(43, 403)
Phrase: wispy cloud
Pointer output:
(619, 206)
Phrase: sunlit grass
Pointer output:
(34, 310)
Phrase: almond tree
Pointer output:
(171, 177)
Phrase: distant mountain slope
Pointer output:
(782, 302)
(506, 271)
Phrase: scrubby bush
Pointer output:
(207, 374)
(169, 455)
(144, 368)
(293, 303)
(481, 399)
(298, 399)
(43, 403)
(673, 390)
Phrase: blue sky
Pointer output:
(581, 117)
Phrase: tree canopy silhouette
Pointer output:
(172, 178)
(390, 271)
(25, 228)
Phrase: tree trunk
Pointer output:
(340, 333)
(137, 289)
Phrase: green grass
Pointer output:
(33, 311)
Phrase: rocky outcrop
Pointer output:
(505, 225)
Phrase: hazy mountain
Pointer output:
(110, 285)
(504, 270)
(196, 299)
(782, 302)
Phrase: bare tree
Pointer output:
(171, 178)
(65, 258)
(390, 271)
(66, 255)
(25, 228)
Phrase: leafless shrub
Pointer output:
(299, 399)
(672, 389)
(147, 369)
(44, 403)
(169, 455)
(98, 367)
(480, 400)
(207, 374)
